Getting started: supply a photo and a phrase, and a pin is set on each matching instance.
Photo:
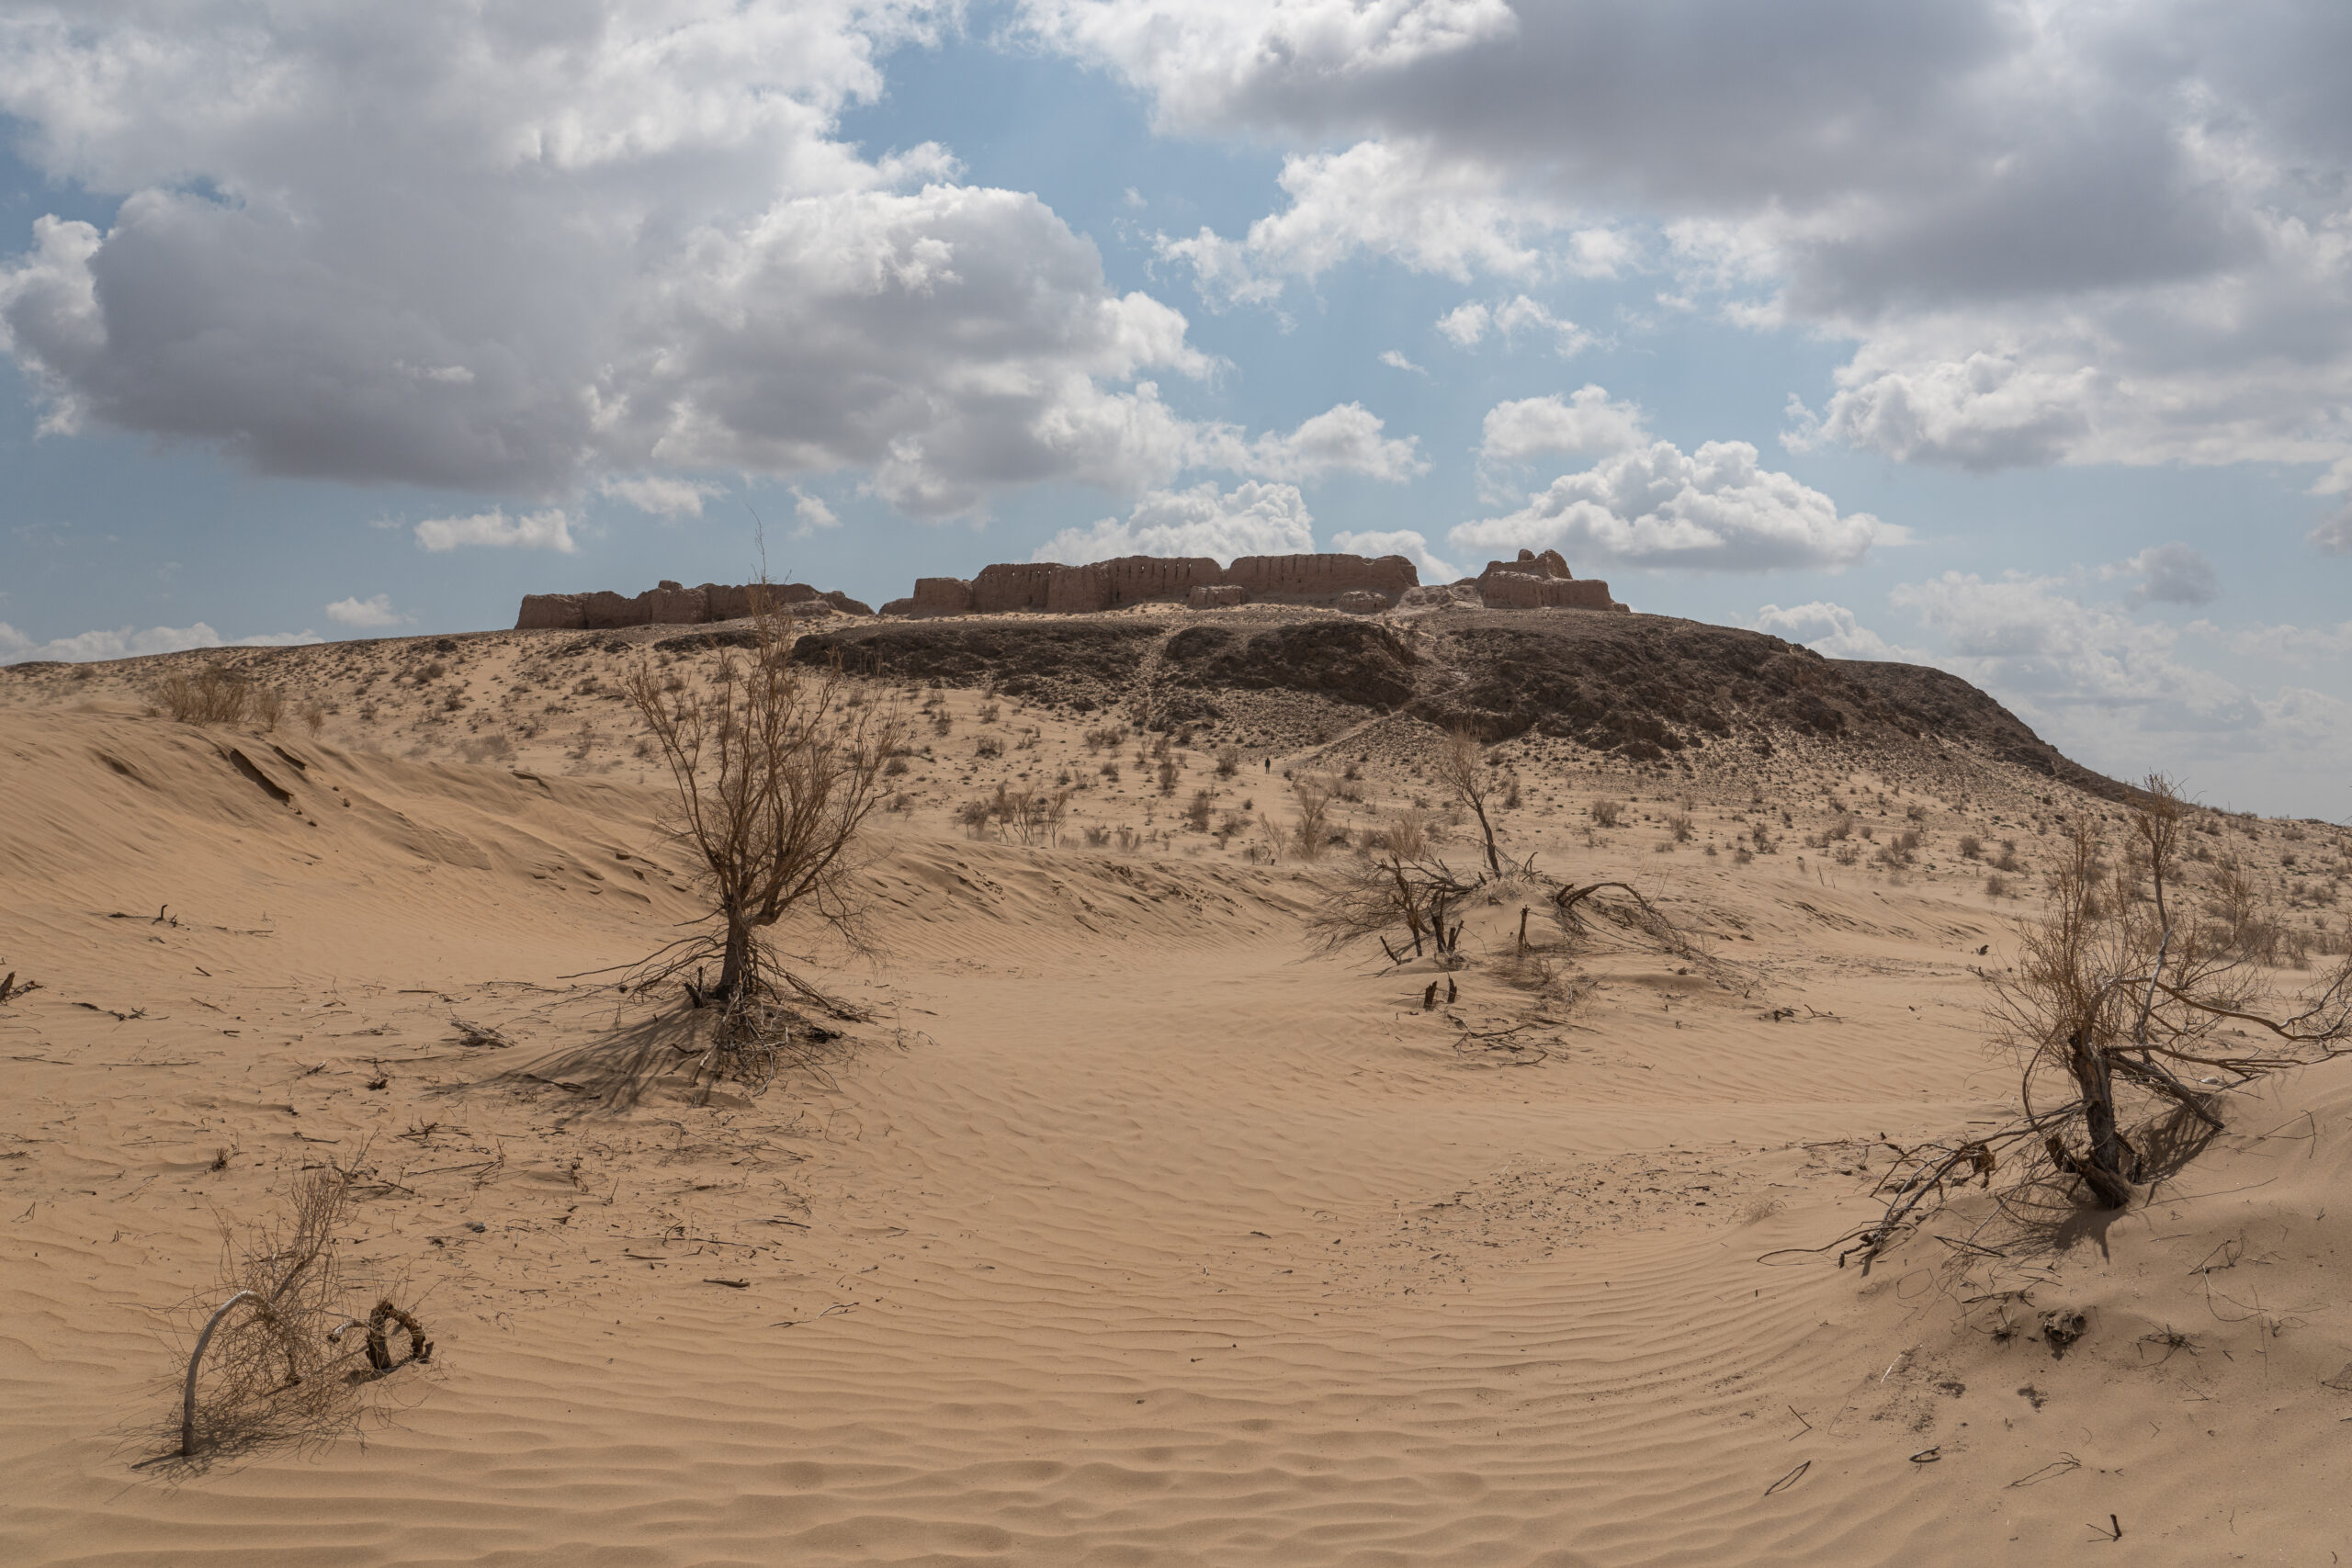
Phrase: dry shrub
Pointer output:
(1678, 823)
(775, 777)
(2130, 1011)
(1463, 770)
(1605, 813)
(273, 1361)
(1197, 813)
(1312, 831)
(1375, 894)
(218, 695)
(1404, 833)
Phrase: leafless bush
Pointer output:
(988, 748)
(270, 1362)
(1228, 760)
(1605, 813)
(1971, 847)
(1462, 770)
(1167, 773)
(774, 778)
(2127, 1013)
(1377, 895)
(218, 695)
(1312, 831)
(1403, 833)
(1197, 813)
(1678, 823)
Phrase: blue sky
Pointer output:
(2036, 322)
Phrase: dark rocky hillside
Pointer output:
(1646, 688)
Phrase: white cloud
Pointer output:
(1345, 439)
(659, 495)
(1198, 56)
(1396, 360)
(2117, 693)
(546, 530)
(1588, 422)
(2168, 574)
(17, 648)
(1833, 631)
(1465, 326)
(2068, 234)
(1397, 200)
(2335, 535)
(1252, 519)
(1715, 509)
(2281, 643)
(374, 611)
(516, 252)
(811, 514)
(1398, 542)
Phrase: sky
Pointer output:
(2010, 337)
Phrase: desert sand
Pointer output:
(1134, 1228)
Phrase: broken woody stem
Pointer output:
(195, 1361)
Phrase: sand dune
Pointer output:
(1134, 1229)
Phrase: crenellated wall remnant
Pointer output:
(1539, 582)
(1352, 582)
(672, 603)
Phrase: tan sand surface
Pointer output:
(1136, 1230)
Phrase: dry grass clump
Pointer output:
(1605, 813)
(218, 695)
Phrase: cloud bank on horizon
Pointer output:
(546, 259)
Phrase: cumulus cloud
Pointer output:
(1399, 200)
(513, 252)
(2116, 692)
(1831, 630)
(1656, 505)
(2088, 235)
(546, 530)
(1404, 542)
(1252, 519)
(1465, 326)
(1587, 421)
(17, 647)
(364, 614)
(2279, 644)
(2169, 574)
(1395, 359)
(809, 514)
(660, 495)
(1346, 439)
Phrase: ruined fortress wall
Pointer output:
(1314, 578)
(669, 603)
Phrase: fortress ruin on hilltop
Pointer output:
(1358, 584)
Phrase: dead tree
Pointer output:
(1374, 894)
(1462, 769)
(775, 771)
(2124, 1011)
